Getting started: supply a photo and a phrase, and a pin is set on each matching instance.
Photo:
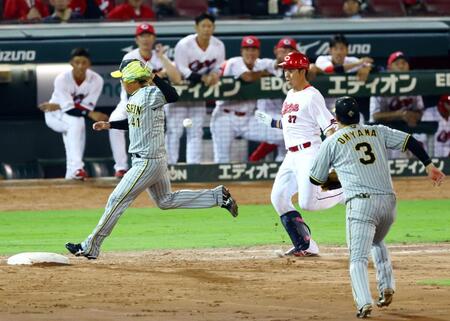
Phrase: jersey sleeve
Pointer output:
(319, 111)
(90, 100)
(375, 106)
(325, 64)
(394, 139)
(61, 94)
(181, 59)
(234, 68)
(155, 97)
(322, 163)
(220, 57)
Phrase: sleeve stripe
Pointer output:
(316, 180)
(405, 143)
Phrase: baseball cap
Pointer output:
(145, 28)
(395, 56)
(250, 42)
(287, 42)
(131, 70)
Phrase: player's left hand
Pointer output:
(160, 50)
(332, 182)
(435, 174)
(263, 118)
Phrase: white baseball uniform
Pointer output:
(190, 58)
(441, 140)
(386, 104)
(303, 116)
(326, 64)
(116, 136)
(272, 107)
(233, 118)
(69, 95)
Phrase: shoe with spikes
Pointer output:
(364, 312)
(77, 250)
(385, 298)
(228, 202)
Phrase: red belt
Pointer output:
(237, 113)
(299, 147)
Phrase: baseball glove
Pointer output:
(332, 182)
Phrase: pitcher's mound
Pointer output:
(38, 258)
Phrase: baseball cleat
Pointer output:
(312, 250)
(365, 311)
(80, 174)
(385, 298)
(77, 250)
(228, 202)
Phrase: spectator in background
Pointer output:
(132, 10)
(74, 98)
(298, 8)
(406, 109)
(338, 62)
(92, 9)
(233, 118)
(440, 114)
(62, 12)
(198, 57)
(25, 10)
(352, 9)
(164, 8)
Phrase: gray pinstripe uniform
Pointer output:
(149, 169)
(359, 155)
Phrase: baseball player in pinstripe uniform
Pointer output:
(359, 155)
(156, 59)
(149, 170)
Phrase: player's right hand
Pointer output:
(101, 125)
(263, 118)
(435, 174)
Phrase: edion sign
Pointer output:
(17, 55)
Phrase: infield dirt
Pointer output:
(211, 284)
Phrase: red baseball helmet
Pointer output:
(295, 60)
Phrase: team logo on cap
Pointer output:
(145, 27)
(350, 113)
(287, 58)
(287, 42)
(250, 41)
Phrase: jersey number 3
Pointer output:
(367, 150)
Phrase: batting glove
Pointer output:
(263, 118)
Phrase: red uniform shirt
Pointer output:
(18, 9)
(127, 12)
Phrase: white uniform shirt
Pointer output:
(325, 63)
(67, 92)
(303, 115)
(235, 67)
(154, 62)
(442, 136)
(189, 57)
(385, 104)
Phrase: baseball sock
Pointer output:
(297, 229)
(261, 151)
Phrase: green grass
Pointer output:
(138, 229)
(435, 282)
